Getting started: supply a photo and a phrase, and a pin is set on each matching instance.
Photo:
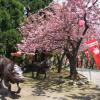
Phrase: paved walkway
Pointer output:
(92, 75)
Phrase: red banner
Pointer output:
(93, 47)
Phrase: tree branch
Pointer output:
(93, 4)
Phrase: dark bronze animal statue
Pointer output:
(10, 73)
(38, 67)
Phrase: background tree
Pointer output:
(61, 28)
(35, 5)
(11, 15)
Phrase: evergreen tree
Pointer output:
(35, 5)
(11, 15)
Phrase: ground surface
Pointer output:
(53, 88)
(92, 75)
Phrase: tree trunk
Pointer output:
(60, 62)
(73, 71)
(59, 67)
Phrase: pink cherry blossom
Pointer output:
(51, 26)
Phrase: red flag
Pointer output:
(93, 47)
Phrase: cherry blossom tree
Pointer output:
(61, 28)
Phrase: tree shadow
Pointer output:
(43, 87)
(50, 86)
(92, 96)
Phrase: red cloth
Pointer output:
(93, 47)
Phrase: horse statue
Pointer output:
(10, 73)
(38, 67)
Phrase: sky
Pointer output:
(59, 1)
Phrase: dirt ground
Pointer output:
(52, 88)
